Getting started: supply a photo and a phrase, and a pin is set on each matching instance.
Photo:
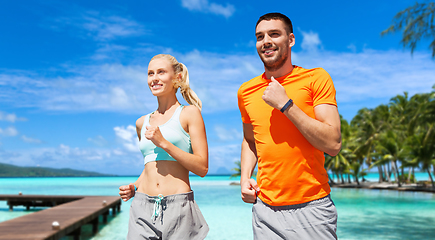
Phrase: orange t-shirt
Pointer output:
(290, 170)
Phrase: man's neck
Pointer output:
(282, 71)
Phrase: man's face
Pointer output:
(273, 43)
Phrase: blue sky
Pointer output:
(73, 73)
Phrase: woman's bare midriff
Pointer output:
(164, 177)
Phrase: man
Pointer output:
(290, 119)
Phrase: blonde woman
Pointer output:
(173, 142)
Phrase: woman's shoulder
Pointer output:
(190, 109)
(190, 113)
(140, 121)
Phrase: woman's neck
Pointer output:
(166, 103)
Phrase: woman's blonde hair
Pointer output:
(188, 94)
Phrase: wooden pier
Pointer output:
(71, 212)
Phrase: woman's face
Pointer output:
(161, 77)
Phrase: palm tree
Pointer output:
(237, 169)
(391, 147)
(398, 135)
(423, 148)
(356, 171)
(417, 22)
(422, 141)
(339, 163)
(370, 123)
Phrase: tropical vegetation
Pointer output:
(416, 23)
(396, 139)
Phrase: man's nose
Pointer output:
(267, 39)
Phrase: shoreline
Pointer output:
(409, 187)
(406, 187)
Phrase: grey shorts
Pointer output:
(312, 220)
(171, 217)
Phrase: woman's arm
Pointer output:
(128, 191)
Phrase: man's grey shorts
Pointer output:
(312, 220)
(178, 217)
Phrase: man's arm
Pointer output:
(323, 132)
(249, 187)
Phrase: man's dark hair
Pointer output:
(277, 16)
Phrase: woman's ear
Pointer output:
(177, 80)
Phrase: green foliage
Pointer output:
(417, 23)
(389, 137)
(238, 171)
(405, 176)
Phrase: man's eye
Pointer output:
(259, 38)
(150, 74)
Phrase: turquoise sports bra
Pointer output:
(171, 131)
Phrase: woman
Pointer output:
(173, 142)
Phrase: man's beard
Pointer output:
(275, 63)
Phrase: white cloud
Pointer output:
(104, 87)
(88, 159)
(8, 132)
(226, 133)
(352, 47)
(359, 77)
(223, 157)
(373, 74)
(30, 140)
(310, 41)
(206, 7)
(98, 141)
(128, 137)
(119, 98)
(10, 117)
(100, 26)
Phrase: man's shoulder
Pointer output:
(311, 71)
(312, 75)
(254, 81)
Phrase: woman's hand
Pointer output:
(153, 133)
(126, 192)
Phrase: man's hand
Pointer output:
(275, 95)
(249, 190)
(126, 192)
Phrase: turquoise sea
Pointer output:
(363, 214)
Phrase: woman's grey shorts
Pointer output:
(171, 217)
(312, 220)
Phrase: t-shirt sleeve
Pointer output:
(323, 89)
(242, 107)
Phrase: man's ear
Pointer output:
(291, 39)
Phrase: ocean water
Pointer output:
(363, 214)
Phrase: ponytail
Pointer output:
(188, 94)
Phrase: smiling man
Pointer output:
(290, 119)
